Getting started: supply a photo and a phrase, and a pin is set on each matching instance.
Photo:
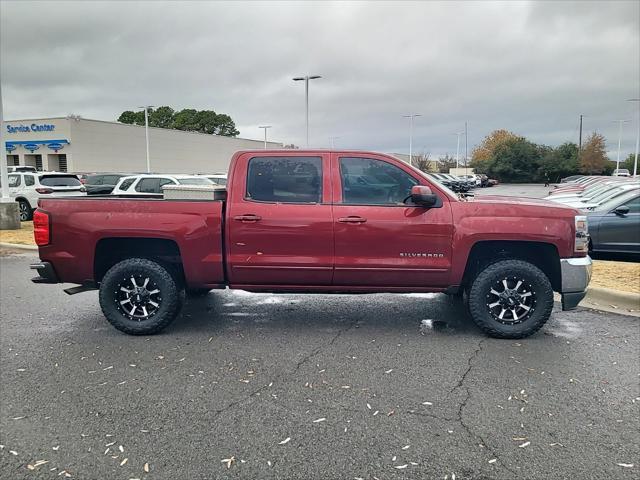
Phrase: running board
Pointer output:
(79, 289)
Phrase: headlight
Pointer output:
(582, 234)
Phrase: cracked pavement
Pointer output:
(353, 382)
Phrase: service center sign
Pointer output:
(34, 127)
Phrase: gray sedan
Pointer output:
(614, 225)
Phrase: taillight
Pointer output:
(582, 234)
(41, 231)
(44, 190)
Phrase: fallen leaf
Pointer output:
(285, 441)
(427, 403)
(146, 468)
(493, 460)
(121, 448)
(406, 447)
(389, 371)
(368, 406)
(625, 465)
(525, 444)
(319, 420)
(124, 461)
(400, 467)
(228, 461)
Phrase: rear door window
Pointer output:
(14, 180)
(126, 184)
(29, 181)
(285, 179)
(149, 185)
(60, 181)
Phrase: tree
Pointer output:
(628, 162)
(485, 151)
(515, 160)
(446, 163)
(188, 119)
(422, 162)
(558, 162)
(593, 158)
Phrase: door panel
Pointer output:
(389, 243)
(619, 233)
(272, 240)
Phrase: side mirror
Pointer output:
(621, 210)
(423, 196)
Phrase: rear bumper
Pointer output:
(575, 277)
(46, 273)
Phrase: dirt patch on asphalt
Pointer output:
(24, 236)
(623, 276)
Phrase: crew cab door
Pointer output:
(381, 239)
(279, 228)
(620, 232)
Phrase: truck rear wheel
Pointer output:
(511, 299)
(139, 296)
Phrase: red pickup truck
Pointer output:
(317, 221)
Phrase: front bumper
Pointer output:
(575, 277)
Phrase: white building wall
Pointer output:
(105, 146)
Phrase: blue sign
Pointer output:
(10, 147)
(31, 146)
(34, 127)
(55, 146)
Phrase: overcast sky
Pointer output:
(529, 67)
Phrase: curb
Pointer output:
(609, 300)
(19, 246)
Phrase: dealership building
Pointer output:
(75, 144)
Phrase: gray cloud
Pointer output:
(528, 67)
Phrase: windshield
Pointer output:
(610, 204)
(194, 181)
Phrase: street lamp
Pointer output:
(458, 147)
(620, 122)
(411, 116)
(332, 140)
(265, 127)
(306, 79)
(635, 162)
(146, 133)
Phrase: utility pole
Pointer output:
(411, 116)
(265, 127)
(580, 138)
(332, 140)
(146, 133)
(620, 122)
(306, 79)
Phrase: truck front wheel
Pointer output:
(139, 296)
(510, 299)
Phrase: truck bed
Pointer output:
(92, 224)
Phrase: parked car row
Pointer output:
(462, 183)
(27, 186)
(612, 207)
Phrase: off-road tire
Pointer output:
(25, 210)
(540, 287)
(170, 291)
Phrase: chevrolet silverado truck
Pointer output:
(317, 221)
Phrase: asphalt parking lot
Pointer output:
(310, 387)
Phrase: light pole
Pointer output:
(635, 162)
(411, 116)
(332, 140)
(4, 178)
(458, 148)
(265, 128)
(306, 79)
(146, 133)
(620, 122)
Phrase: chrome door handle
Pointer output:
(352, 219)
(247, 218)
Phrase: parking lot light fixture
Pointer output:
(411, 116)
(635, 162)
(146, 133)
(620, 122)
(265, 128)
(306, 79)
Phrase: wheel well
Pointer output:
(543, 255)
(110, 251)
(25, 200)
